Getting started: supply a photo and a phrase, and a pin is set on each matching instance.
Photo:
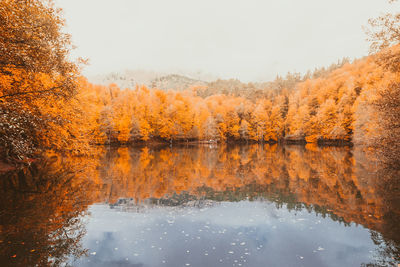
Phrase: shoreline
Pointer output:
(321, 143)
(8, 165)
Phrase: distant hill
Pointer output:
(211, 85)
(151, 79)
(127, 79)
(176, 82)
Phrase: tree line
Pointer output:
(337, 108)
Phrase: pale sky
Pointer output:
(251, 40)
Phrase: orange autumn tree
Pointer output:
(385, 38)
(36, 77)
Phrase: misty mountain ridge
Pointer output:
(209, 85)
(152, 79)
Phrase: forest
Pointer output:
(46, 104)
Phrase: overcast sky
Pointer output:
(250, 40)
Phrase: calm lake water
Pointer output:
(202, 205)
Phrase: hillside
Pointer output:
(151, 79)
(175, 82)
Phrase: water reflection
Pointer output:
(332, 179)
(40, 219)
(288, 205)
(223, 234)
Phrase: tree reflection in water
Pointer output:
(41, 215)
(43, 206)
(346, 184)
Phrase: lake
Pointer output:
(203, 205)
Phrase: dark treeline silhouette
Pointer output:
(41, 215)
